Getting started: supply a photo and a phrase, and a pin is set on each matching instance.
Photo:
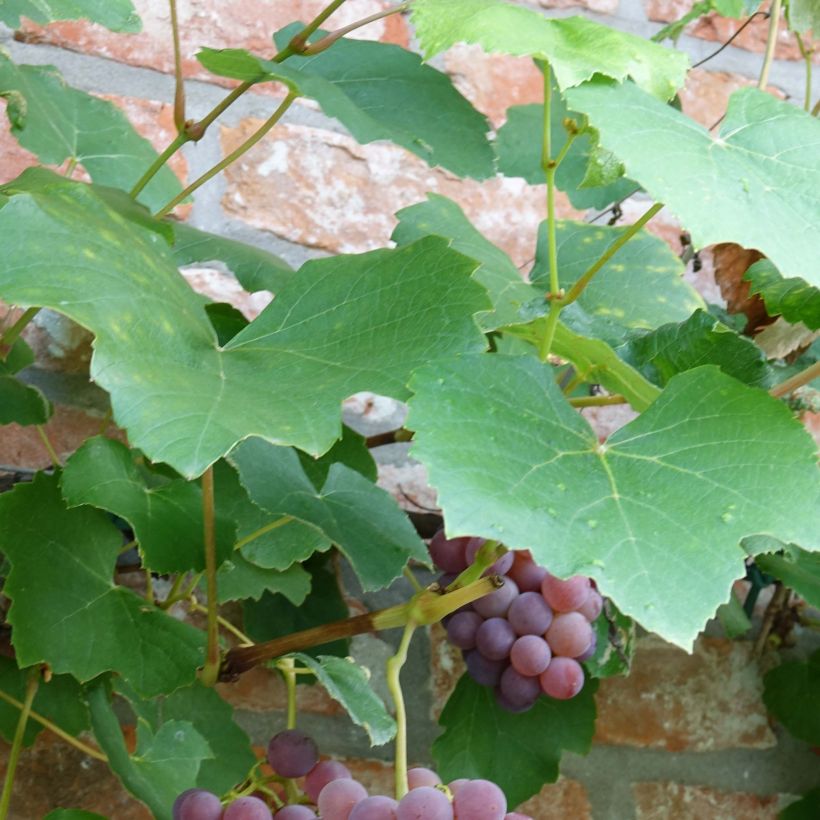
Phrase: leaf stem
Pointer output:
(798, 380)
(11, 335)
(55, 729)
(779, 598)
(394, 666)
(598, 401)
(771, 43)
(32, 682)
(547, 338)
(806, 54)
(274, 525)
(179, 84)
(408, 574)
(244, 640)
(549, 166)
(210, 671)
(178, 141)
(232, 157)
(329, 39)
(52, 453)
(171, 597)
(299, 41)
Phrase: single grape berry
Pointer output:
(530, 614)
(519, 691)
(420, 776)
(424, 803)
(482, 670)
(462, 628)
(569, 634)
(591, 608)
(530, 655)
(495, 638)
(480, 800)
(565, 596)
(448, 554)
(247, 808)
(527, 575)
(292, 753)
(322, 774)
(197, 804)
(563, 678)
(295, 812)
(377, 807)
(496, 604)
(337, 799)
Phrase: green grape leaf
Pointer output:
(266, 540)
(439, 216)
(669, 495)
(615, 636)
(519, 753)
(231, 754)
(116, 15)
(733, 618)
(60, 700)
(238, 578)
(791, 693)
(699, 340)
(361, 519)
(254, 268)
(67, 611)
(807, 808)
(73, 814)
(344, 324)
(349, 684)
(226, 320)
(576, 48)
(164, 764)
(57, 122)
(804, 15)
(351, 450)
(744, 186)
(796, 568)
(793, 299)
(22, 403)
(18, 357)
(166, 518)
(518, 146)
(641, 287)
(377, 91)
(274, 616)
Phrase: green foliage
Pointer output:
(795, 567)
(58, 123)
(117, 15)
(804, 15)
(709, 462)
(791, 693)
(806, 808)
(377, 91)
(20, 402)
(575, 47)
(793, 299)
(615, 636)
(732, 188)
(517, 752)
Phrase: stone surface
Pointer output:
(222, 286)
(705, 701)
(660, 801)
(559, 801)
(324, 190)
(720, 29)
(250, 25)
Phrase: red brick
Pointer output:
(558, 801)
(705, 701)
(15, 158)
(720, 29)
(53, 774)
(323, 189)
(248, 25)
(660, 801)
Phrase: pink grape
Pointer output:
(322, 774)
(565, 596)
(507, 706)
(495, 638)
(585, 656)
(496, 604)
(462, 628)
(197, 804)
(563, 678)
(591, 608)
(421, 776)
(448, 554)
(337, 799)
(292, 753)
(295, 812)
(247, 808)
(569, 634)
(500, 567)
(480, 800)
(516, 815)
(378, 807)
(482, 670)
(530, 614)
(455, 785)
(530, 655)
(424, 803)
(526, 573)
(518, 690)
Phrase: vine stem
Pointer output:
(549, 166)
(779, 598)
(771, 43)
(328, 40)
(597, 401)
(394, 666)
(178, 141)
(210, 671)
(806, 54)
(798, 380)
(55, 729)
(13, 333)
(287, 668)
(52, 453)
(32, 682)
(244, 640)
(179, 84)
(232, 157)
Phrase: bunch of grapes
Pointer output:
(528, 637)
(328, 791)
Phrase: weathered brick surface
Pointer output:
(248, 25)
(559, 801)
(52, 774)
(661, 801)
(720, 29)
(323, 189)
(15, 159)
(705, 701)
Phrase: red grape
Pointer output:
(564, 596)
(292, 753)
(321, 774)
(563, 678)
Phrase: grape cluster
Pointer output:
(328, 791)
(528, 637)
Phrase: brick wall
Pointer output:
(684, 736)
